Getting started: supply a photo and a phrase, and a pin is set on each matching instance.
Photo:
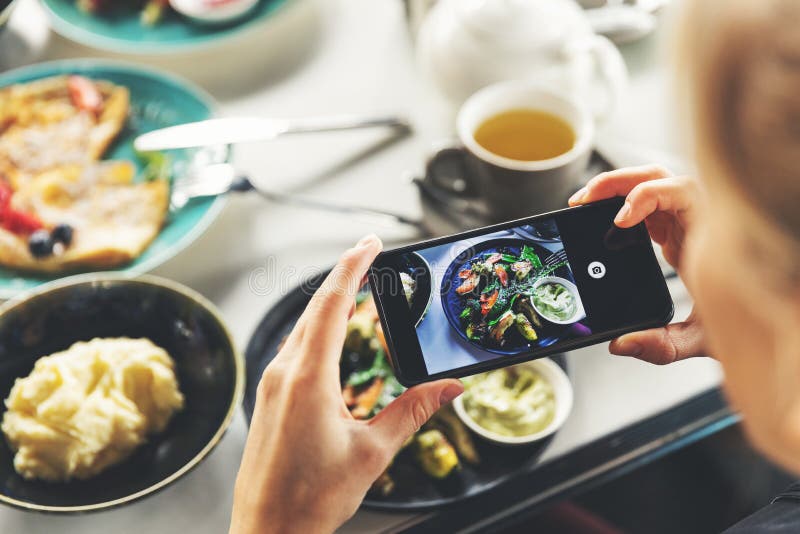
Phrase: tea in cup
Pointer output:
(529, 147)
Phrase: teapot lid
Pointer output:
(515, 24)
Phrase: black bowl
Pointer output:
(210, 373)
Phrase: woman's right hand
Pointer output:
(667, 204)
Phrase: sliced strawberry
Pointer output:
(5, 196)
(15, 221)
(84, 94)
(19, 222)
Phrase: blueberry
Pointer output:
(62, 233)
(40, 243)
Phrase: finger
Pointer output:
(325, 318)
(657, 226)
(661, 346)
(289, 342)
(296, 336)
(672, 195)
(616, 183)
(407, 413)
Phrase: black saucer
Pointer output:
(450, 192)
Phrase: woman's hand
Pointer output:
(667, 204)
(307, 463)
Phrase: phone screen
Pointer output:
(516, 291)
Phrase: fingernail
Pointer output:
(578, 195)
(450, 392)
(627, 348)
(366, 241)
(623, 212)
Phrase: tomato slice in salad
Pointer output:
(488, 301)
(494, 258)
(502, 275)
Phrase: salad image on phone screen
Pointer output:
(503, 293)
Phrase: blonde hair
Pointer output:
(742, 59)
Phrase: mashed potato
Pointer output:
(89, 407)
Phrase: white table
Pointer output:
(334, 57)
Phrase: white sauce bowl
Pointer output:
(562, 391)
(579, 313)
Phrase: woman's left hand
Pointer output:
(667, 205)
(308, 463)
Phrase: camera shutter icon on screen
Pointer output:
(597, 270)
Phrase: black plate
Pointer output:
(209, 371)
(499, 465)
(452, 303)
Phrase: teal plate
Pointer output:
(157, 100)
(120, 29)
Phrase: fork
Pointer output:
(221, 178)
(556, 258)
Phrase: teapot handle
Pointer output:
(613, 72)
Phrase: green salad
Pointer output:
(495, 290)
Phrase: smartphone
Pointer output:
(500, 295)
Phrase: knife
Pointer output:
(251, 129)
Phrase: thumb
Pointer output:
(660, 346)
(408, 412)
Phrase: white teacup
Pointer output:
(514, 188)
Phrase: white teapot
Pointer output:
(464, 45)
